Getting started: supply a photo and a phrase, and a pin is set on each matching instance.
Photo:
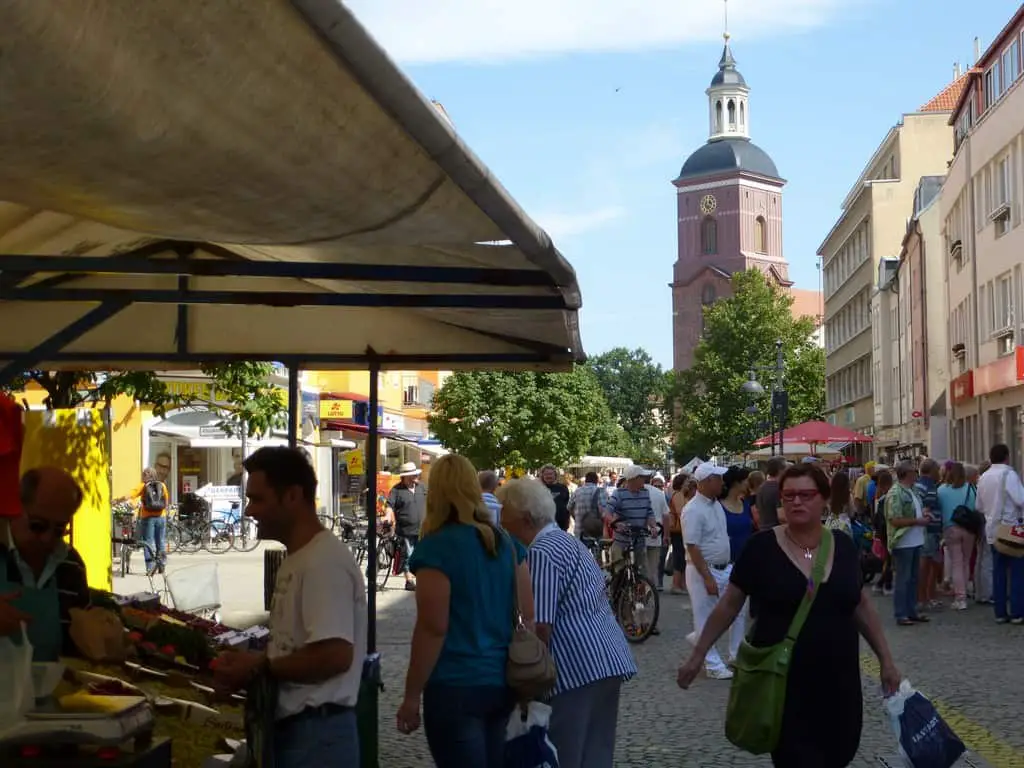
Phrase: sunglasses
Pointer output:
(41, 527)
(791, 496)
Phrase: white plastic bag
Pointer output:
(526, 739)
(17, 690)
(924, 738)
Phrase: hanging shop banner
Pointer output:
(336, 410)
(354, 461)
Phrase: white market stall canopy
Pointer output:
(250, 179)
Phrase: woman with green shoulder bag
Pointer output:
(796, 693)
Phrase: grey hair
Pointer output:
(488, 479)
(529, 497)
(148, 475)
(904, 468)
(971, 471)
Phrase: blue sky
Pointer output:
(586, 110)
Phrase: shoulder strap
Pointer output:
(817, 575)
(517, 616)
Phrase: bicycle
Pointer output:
(243, 528)
(633, 596)
(192, 529)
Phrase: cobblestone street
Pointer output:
(963, 661)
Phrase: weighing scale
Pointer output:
(49, 738)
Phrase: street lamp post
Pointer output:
(779, 404)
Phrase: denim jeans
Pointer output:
(906, 562)
(465, 725)
(153, 531)
(1007, 584)
(315, 740)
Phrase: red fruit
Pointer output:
(169, 650)
(135, 637)
(149, 646)
(214, 664)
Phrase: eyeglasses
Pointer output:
(788, 497)
(41, 527)
(164, 466)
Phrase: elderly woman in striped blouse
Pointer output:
(574, 618)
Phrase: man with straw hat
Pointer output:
(408, 501)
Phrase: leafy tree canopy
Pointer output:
(635, 387)
(739, 335)
(524, 420)
(244, 392)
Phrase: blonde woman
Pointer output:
(464, 592)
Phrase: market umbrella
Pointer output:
(815, 433)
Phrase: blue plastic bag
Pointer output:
(925, 740)
(526, 739)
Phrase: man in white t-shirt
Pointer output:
(317, 620)
(707, 547)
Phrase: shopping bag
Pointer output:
(526, 739)
(17, 690)
(925, 740)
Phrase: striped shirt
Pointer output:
(586, 642)
(588, 500)
(632, 508)
(495, 506)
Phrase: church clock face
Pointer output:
(708, 204)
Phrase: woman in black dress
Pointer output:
(821, 724)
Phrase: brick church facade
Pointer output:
(729, 203)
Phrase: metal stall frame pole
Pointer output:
(371, 506)
(293, 406)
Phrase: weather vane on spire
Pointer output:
(725, 34)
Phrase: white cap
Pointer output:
(809, 460)
(658, 476)
(635, 471)
(706, 470)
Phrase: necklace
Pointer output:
(808, 552)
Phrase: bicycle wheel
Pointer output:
(173, 536)
(217, 537)
(246, 540)
(125, 558)
(636, 607)
(385, 560)
(191, 538)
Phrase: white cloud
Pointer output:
(563, 225)
(423, 31)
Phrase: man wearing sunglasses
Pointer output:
(41, 577)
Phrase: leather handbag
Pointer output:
(757, 697)
(530, 670)
(969, 519)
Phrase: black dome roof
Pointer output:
(726, 156)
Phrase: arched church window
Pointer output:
(743, 115)
(707, 294)
(709, 236)
(732, 115)
(760, 235)
(718, 117)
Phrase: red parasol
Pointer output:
(815, 433)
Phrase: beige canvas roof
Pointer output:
(267, 138)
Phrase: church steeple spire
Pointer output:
(728, 95)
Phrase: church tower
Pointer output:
(729, 210)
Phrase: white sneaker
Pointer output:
(720, 674)
(959, 605)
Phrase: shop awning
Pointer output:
(251, 179)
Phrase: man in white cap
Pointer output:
(707, 546)
(631, 506)
(408, 501)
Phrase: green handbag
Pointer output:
(757, 697)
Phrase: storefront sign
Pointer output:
(338, 410)
(220, 493)
(961, 389)
(393, 421)
(1002, 374)
(189, 389)
(212, 431)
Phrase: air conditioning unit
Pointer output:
(1005, 344)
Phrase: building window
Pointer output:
(718, 117)
(743, 115)
(1011, 65)
(707, 295)
(732, 115)
(709, 236)
(760, 239)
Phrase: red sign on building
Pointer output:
(961, 389)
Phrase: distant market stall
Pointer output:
(252, 181)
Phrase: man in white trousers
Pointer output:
(707, 548)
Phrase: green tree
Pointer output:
(713, 413)
(635, 387)
(244, 392)
(524, 420)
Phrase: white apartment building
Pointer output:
(984, 241)
(871, 227)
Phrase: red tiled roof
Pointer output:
(806, 303)
(946, 99)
